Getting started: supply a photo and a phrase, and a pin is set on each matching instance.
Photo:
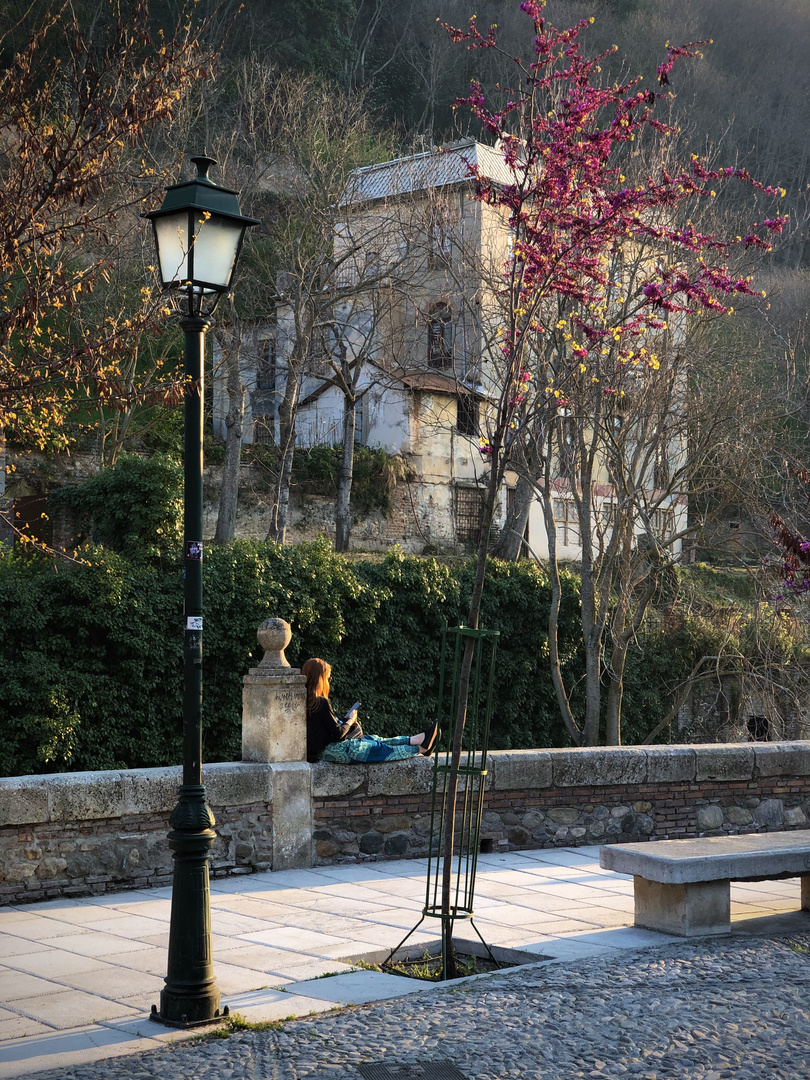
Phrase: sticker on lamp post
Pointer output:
(193, 637)
(194, 550)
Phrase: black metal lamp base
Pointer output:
(184, 1022)
(190, 996)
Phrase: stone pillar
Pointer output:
(274, 731)
(274, 697)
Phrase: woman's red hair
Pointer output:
(317, 673)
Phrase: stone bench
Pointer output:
(683, 886)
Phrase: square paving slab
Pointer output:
(359, 987)
(70, 1008)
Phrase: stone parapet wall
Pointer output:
(77, 833)
(554, 798)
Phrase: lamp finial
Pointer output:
(203, 163)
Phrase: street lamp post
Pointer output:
(198, 234)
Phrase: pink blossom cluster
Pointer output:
(572, 213)
(795, 557)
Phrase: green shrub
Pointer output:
(319, 593)
(376, 475)
(136, 506)
(91, 661)
(91, 655)
(316, 470)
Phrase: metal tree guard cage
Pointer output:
(470, 776)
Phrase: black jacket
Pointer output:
(323, 728)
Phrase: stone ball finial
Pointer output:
(274, 635)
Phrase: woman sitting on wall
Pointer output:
(343, 741)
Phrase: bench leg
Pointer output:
(805, 892)
(701, 907)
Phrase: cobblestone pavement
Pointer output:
(733, 1007)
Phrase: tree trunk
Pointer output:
(554, 619)
(119, 434)
(287, 413)
(592, 644)
(615, 675)
(281, 508)
(343, 520)
(593, 618)
(623, 630)
(234, 424)
(512, 535)
(621, 639)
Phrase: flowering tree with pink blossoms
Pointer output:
(571, 317)
(600, 271)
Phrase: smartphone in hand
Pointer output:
(354, 708)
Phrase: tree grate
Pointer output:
(412, 1070)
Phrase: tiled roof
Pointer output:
(436, 382)
(433, 169)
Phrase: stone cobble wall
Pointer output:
(421, 514)
(538, 799)
(74, 834)
(93, 832)
(45, 861)
(314, 516)
(387, 826)
(624, 814)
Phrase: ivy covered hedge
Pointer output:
(91, 667)
(90, 655)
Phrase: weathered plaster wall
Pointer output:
(73, 834)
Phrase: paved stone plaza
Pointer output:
(614, 1001)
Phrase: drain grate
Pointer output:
(411, 1070)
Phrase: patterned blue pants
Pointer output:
(369, 748)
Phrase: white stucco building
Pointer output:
(417, 258)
